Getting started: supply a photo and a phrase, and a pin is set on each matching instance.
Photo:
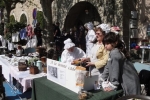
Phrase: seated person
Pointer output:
(19, 50)
(71, 52)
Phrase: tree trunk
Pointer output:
(47, 13)
(8, 15)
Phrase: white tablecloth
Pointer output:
(23, 77)
(27, 82)
(5, 68)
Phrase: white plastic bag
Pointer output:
(107, 84)
(80, 74)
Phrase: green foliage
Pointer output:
(32, 60)
(2, 4)
(40, 18)
(12, 19)
(23, 19)
(7, 36)
(1, 29)
(14, 26)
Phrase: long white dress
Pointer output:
(89, 38)
(68, 57)
(93, 58)
(10, 46)
(4, 41)
(15, 37)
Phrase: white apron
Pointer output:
(93, 58)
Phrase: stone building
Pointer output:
(26, 9)
(71, 13)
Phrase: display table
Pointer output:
(2, 49)
(5, 69)
(44, 89)
(26, 82)
(23, 77)
(143, 50)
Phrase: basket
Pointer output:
(44, 69)
(34, 70)
(22, 65)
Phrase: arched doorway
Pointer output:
(81, 13)
(23, 19)
(12, 19)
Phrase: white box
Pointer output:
(65, 75)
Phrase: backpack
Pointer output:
(130, 76)
(144, 76)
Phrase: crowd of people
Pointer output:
(27, 37)
(105, 56)
(101, 47)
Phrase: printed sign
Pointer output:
(65, 75)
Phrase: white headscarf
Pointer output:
(68, 43)
(90, 25)
(104, 27)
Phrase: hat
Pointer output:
(115, 29)
(104, 27)
(68, 43)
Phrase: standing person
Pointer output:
(57, 32)
(72, 35)
(82, 37)
(65, 34)
(57, 37)
(119, 70)
(71, 52)
(37, 32)
(98, 56)
(2, 28)
(29, 31)
(90, 37)
(76, 36)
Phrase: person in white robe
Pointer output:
(90, 37)
(71, 52)
(98, 55)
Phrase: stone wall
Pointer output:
(27, 9)
(114, 12)
(110, 11)
(143, 9)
